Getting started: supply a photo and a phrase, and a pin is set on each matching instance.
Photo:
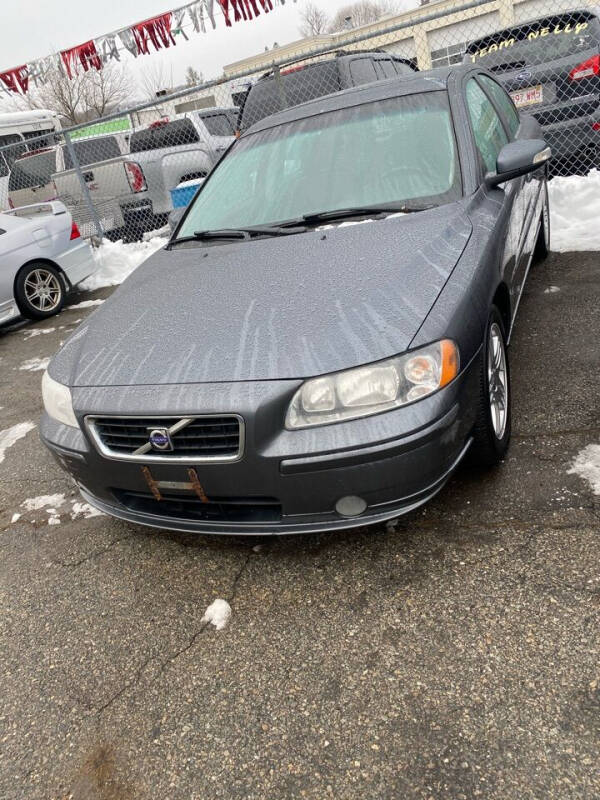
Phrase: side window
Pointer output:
(362, 70)
(387, 67)
(490, 136)
(504, 103)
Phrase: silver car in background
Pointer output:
(42, 256)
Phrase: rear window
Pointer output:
(362, 70)
(536, 43)
(289, 88)
(218, 125)
(32, 171)
(171, 134)
(92, 151)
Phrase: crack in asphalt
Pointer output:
(93, 554)
(164, 664)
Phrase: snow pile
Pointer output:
(575, 212)
(218, 614)
(37, 332)
(587, 466)
(54, 506)
(87, 304)
(116, 260)
(35, 364)
(43, 501)
(12, 435)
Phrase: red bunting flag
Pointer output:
(156, 30)
(84, 54)
(16, 79)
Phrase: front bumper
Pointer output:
(287, 481)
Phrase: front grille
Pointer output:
(206, 438)
(231, 509)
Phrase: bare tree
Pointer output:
(361, 13)
(157, 78)
(315, 21)
(107, 90)
(193, 77)
(86, 96)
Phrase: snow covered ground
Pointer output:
(574, 208)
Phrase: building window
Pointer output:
(448, 55)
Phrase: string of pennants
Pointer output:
(139, 39)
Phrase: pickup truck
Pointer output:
(170, 152)
(112, 178)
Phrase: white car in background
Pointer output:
(42, 256)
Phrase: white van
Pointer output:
(16, 129)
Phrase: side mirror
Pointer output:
(518, 158)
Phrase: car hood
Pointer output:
(276, 308)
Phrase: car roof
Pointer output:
(427, 81)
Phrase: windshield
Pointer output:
(536, 43)
(387, 152)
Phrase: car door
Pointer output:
(490, 137)
(532, 184)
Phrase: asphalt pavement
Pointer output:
(453, 655)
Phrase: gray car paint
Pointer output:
(396, 459)
(268, 310)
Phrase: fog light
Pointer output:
(350, 506)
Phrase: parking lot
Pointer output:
(451, 655)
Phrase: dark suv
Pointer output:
(298, 83)
(551, 67)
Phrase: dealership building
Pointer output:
(434, 35)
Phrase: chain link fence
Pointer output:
(123, 176)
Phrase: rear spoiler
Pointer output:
(51, 207)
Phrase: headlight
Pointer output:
(57, 401)
(375, 388)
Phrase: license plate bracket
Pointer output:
(529, 96)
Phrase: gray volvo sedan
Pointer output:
(325, 336)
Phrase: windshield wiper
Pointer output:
(378, 212)
(362, 211)
(243, 234)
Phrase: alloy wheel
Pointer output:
(42, 290)
(497, 380)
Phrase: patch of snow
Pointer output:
(391, 525)
(574, 212)
(552, 290)
(10, 436)
(85, 510)
(116, 260)
(587, 466)
(37, 332)
(15, 518)
(54, 520)
(50, 501)
(218, 614)
(88, 304)
(35, 364)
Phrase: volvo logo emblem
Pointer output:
(160, 439)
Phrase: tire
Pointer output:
(491, 434)
(542, 245)
(40, 290)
